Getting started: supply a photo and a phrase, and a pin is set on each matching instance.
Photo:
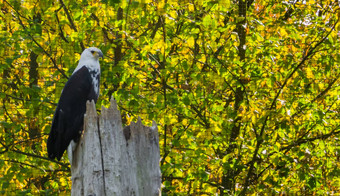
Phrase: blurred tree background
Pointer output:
(245, 93)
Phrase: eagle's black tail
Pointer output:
(54, 147)
(64, 130)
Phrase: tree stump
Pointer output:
(110, 161)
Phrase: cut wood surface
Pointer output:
(110, 160)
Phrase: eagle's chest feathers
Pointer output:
(95, 74)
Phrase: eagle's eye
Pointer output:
(92, 51)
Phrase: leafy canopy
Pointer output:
(245, 94)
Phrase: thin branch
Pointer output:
(61, 33)
(157, 26)
(201, 116)
(41, 157)
(27, 100)
(317, 97)
(253, 160)
(172, 145)
(286, 149)
(106, 35)
(73, 26)
(310, 53)
(25, 28)
(6, 148)
(302, 141)
(30, 165)
(238, 79)
(127, 14)
(299, 142)
(24, 141)
(260, 138)
(21, 163)
(289, 12)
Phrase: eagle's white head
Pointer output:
(91, 53)
(90, 58)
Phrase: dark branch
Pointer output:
(25, 28)
(73, 26)
(41, 157)
(106, 35)
(317, 97)
(309, 54)
(61, 33)
(302, 141)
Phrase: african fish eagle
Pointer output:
(83, 85)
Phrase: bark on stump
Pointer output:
(109, 161)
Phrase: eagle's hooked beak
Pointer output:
(100, 54)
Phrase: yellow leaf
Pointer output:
(321, 85)
(191, 42)
(283, 32)
(185, 122)
(309, 73)
(191, 7)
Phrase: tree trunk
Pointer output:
(110, 161)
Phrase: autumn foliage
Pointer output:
(245, 93)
